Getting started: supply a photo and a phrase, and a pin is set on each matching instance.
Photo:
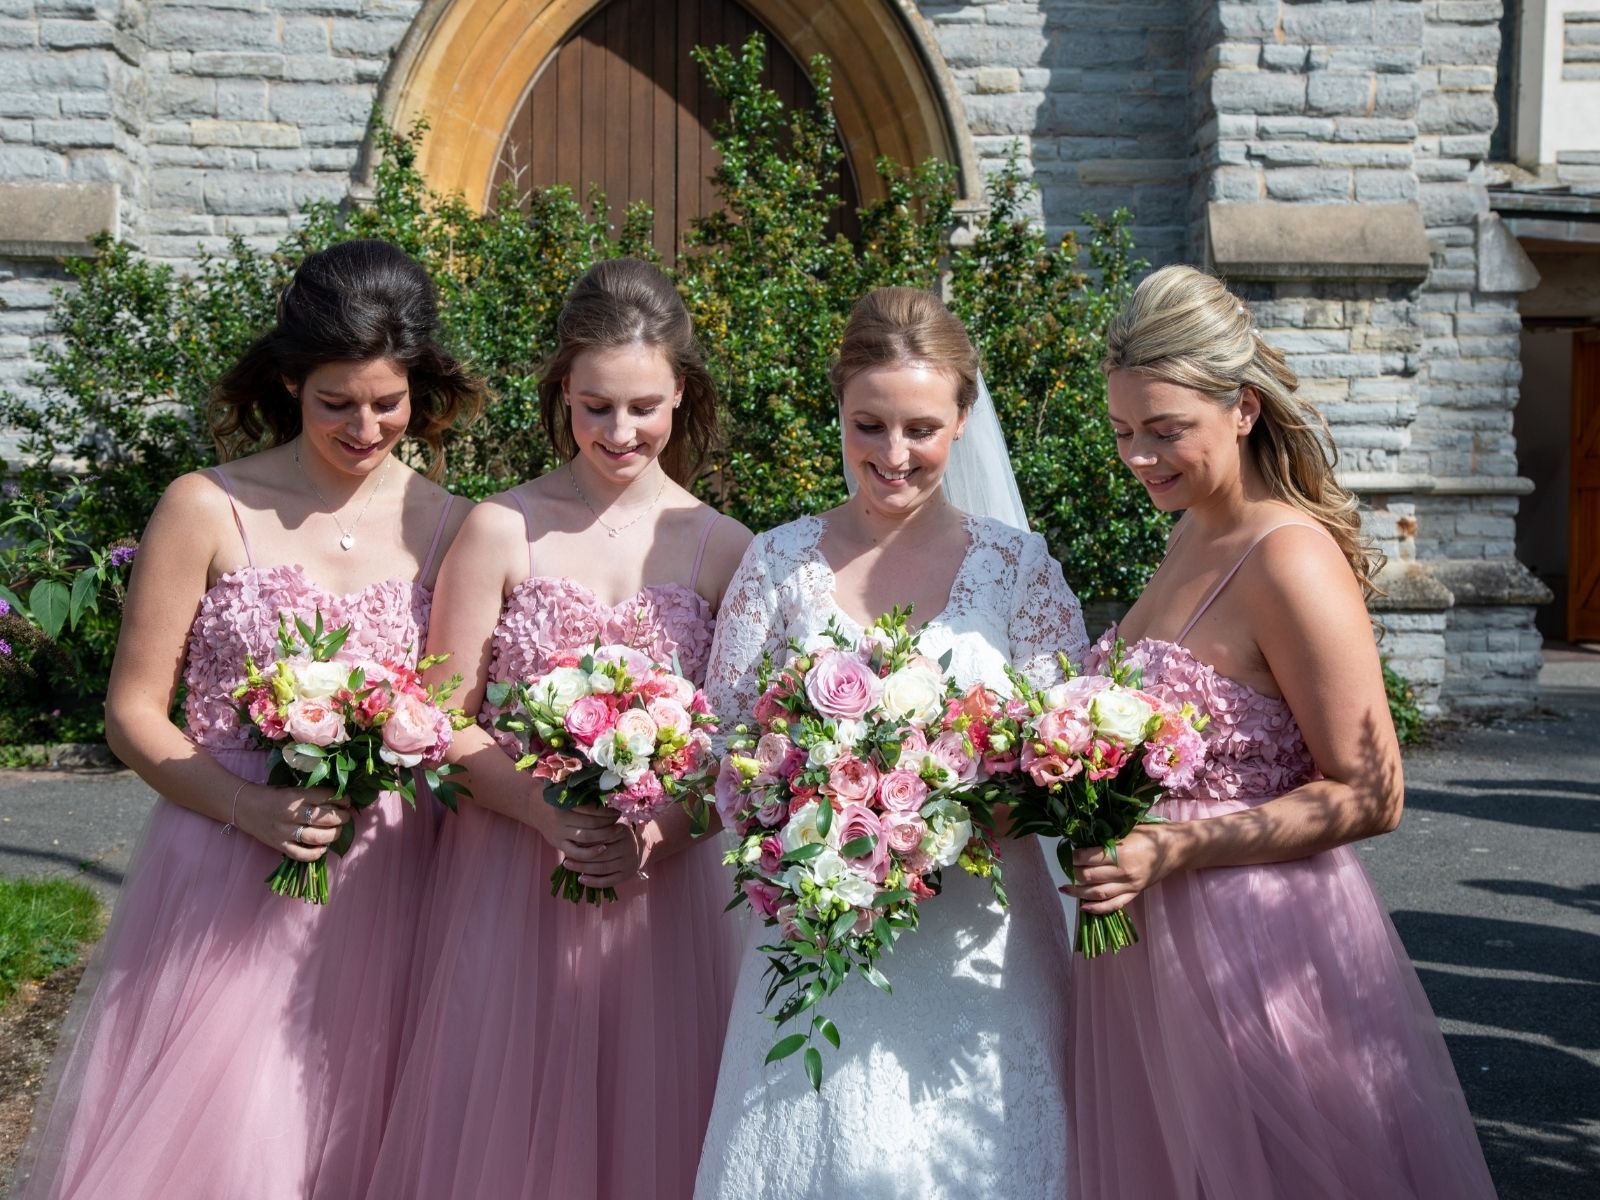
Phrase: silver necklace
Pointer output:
(347, 537)
(613, 530)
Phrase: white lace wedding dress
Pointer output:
(955, 1085)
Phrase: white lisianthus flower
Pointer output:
(913, 694)
(564, 687)
(601, 683)
(848, 733)
(318, 680)
(751, 851)
(855, 891)
(949, 831)
(915, 761)
(1120, 716)
(619, 763)
(395, 758)
(802, 829)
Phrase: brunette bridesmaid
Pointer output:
(232, 1042)
(1268, 1036)
(560, 1049)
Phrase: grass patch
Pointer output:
(15, 756)
(43, 925)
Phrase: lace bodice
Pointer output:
(1009, 602)
(544, 615)
(954, 1085)
(239, 617)
(1254, 748)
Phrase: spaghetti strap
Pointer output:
(700, 551)
(1228, 578)
(238, 519)
(433, 546)
(527, 527)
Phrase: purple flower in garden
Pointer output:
(5, 608)
(5, 648)
(123, 555)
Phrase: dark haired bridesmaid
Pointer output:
(232, 1042)
(568, 1050)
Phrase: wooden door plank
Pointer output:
(1583, 511)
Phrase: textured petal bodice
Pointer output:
(239, 615)
(1254, 748)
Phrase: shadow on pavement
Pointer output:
(1537, 803)
(77, 865)
(1584, 897)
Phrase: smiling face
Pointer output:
(899, 423)
(1182, 445)
(621, 400)
(353, 414)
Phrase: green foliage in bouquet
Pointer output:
(123, 394)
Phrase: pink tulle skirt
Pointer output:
(1267, 1037)
(227, 1041)
(559, 1049)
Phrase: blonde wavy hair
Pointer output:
(1185, 327)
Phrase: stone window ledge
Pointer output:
(55, 220)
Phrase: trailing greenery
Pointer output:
(44, 924)
(123, 396)
(1410, 726)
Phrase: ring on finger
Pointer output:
(308, 814)
(299, 834)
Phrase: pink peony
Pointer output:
(588, 718)
(950, 750)
(1065, 730)
(858, 821)
(852, 779)
(633, 723)
(770, 751)
(841, 685)
(669, 714)
(411, 725)
(904, 832)
(315, 721)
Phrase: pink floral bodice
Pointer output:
(239, 617)
(1254, 748)
(545, 615)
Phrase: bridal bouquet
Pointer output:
(359, 726)
(611, 728)
(865, 775)
(1097, 753)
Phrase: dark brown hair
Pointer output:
(896, 325)
(356, 301)
(623, 302)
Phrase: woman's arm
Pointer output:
(1311, 627)
(485, 561)
(187, 532)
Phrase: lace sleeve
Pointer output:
(1045, 616)
(747, 629)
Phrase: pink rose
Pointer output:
(634, 723)
(729, 798)
(852, 779)
(859, 821)
(771, 750)
(840, 685)
(771, 812)
(1069, 727)
(763, 897)
(950, 750)
(669, 714)
(411, 725)
(902, 791)
(588, 718)
(914, 742)
(771, 855)
(314, 721)
(904, 831)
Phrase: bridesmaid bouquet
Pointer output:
(360, 726)
(1097, 753)
(611, 728)
(866, 774)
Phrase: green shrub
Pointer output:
(769, 288)
(1410, 726)
(43, 926)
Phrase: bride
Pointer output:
(954, 1085)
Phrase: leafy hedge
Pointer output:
(768, 286)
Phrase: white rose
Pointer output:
(855, 891)
(397, 759)
(949, 831)
(564, 687)
(824, 752)
(913, 694)
(802, 829)
(318, 680)
(1120, 716)
(601, 683)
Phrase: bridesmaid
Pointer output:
(234, 1042)
(560, 1049)
(1268, 1036)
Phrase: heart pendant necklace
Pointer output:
(347, 537)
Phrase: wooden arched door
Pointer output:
(622, 104)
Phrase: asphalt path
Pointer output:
(1493, 880)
